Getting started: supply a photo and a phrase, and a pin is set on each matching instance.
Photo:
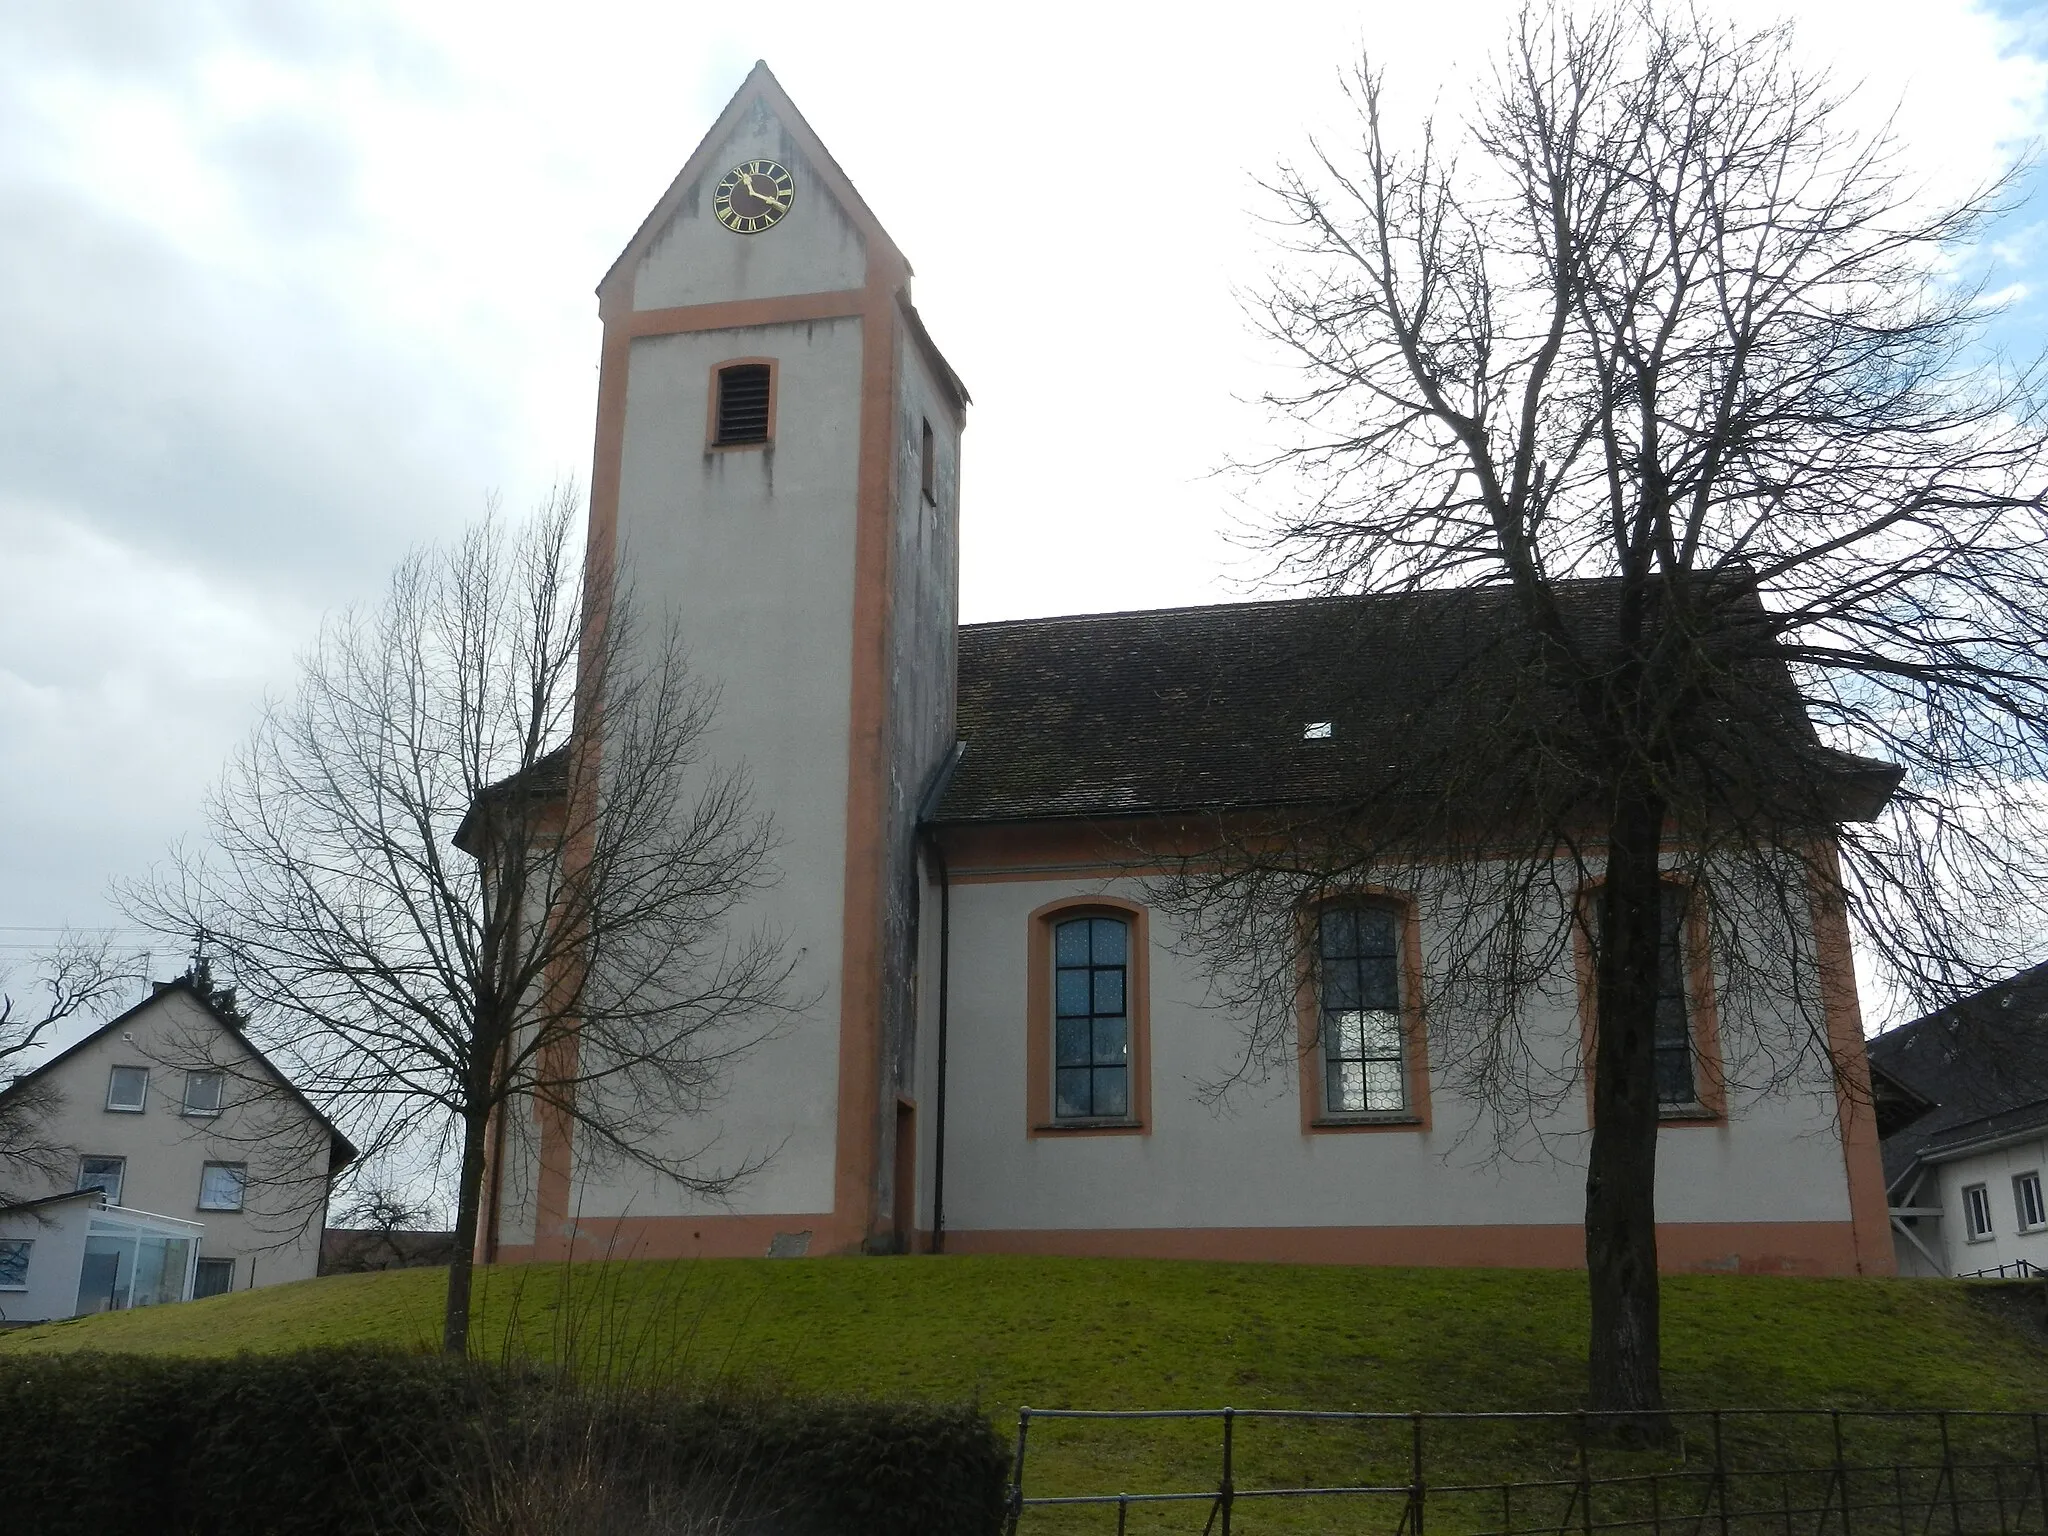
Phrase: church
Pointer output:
(1009, 1046)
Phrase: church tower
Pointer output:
(777, 463)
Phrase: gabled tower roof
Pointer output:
(761, 87)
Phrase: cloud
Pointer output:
(285, 289)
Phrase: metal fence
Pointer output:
(2018, 1269)
(1764, 1472)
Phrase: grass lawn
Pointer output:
(1127, 1334)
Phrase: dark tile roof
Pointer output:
(547, 779)
(1982, 1063)
(1103, 715)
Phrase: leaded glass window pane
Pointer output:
(1091, 1025)
(1361, 1010)
(1673, 1037)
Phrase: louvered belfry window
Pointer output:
(743, 404)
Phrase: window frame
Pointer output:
(2021, 1183)
(1041, 1022)
(141, 1105)
(1709, 1078)
(27, 1247)
(1976, 1199)
(928, 463)
(712, 390)
(241, 1188)
(120, 1181)
(220, 1078)
(1317, 1118)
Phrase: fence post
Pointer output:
(1228, 1491)
(1948, 1471)
(2040, 1469)
(1841, 1478)
(1415, 1482)
(1016, 1510)
(1720, 1476)
(1585, 1481)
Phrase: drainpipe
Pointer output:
(939, 1114)
(938, 858)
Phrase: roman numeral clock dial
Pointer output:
(753, 196)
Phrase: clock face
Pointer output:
(753, 196)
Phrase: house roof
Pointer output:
(342, 1151)
(58, 1199)
(1189, 709)
(1981, 1063)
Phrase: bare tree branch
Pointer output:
(449, 918)
(1672, 360)
(77, 974)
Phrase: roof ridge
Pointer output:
(1241, 605)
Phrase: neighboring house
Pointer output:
(171, 1114)
(1007, 1044)
(1962, 1099)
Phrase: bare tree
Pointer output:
(447, 914)
(76, 974)
(1667, 355)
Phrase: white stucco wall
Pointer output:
(753, 552)
(1996, 1169)
(1248, 1164)
(695, 260)
(57, 1235)
(276, 1237)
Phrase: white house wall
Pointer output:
(1995, 1170)
(58, 1235)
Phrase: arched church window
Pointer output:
(1091, 1019)
(744, 394)
(1359, 963)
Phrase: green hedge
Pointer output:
(342, 1442)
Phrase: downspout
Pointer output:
(939, 1108)
(938, 858)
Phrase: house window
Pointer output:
(742, 412)
(1091, 1019)
(214, 1277)
(202, 1092)
(2026, 1197)
(1359, 970)
(1977, 1213)
(128, 1089)
(14, 1262)
(104, 1174)
(220, 1186)
(928, 467)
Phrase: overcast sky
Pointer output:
(286, 287)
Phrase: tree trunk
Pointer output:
(462, 1266)
(1623, 1356)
